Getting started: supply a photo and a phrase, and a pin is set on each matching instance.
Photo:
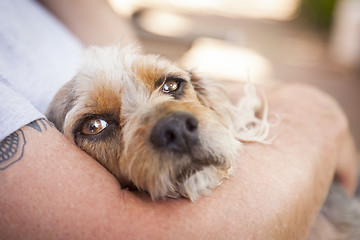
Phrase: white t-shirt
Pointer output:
(37, 56)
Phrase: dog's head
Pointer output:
(150, 123)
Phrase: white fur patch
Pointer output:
(200, 183)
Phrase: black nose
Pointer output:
(176, 132)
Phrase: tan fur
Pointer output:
(105, 99)
(120, 84)
(149, 70)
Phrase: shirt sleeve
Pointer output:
(15, 110)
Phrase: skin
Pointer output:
(93, 22)
(56, 191)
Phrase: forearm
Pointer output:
(48, 190)
(93, 22)
(57, 191)
(278, 189)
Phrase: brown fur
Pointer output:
(123, 87)
(133, 103)
(149, 73)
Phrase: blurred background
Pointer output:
(311, 41)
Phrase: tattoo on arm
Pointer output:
(40, 125)
(12, 149)
(13, 146)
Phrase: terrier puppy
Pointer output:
(153, 125)
(163, 130)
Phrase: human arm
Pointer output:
(93, 22)
(57, 191)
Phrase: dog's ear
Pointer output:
(62, 103)
(213, 95)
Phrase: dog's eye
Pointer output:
(93, 126)
(171, 85)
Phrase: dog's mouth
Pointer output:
(197, 165)
(181, 156)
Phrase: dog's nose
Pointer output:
(176, 132)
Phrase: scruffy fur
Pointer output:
(126, 89)
(120, 85)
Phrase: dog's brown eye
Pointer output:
(93, 126)
(170, 85)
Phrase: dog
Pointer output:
(154, 126)
(167, 131)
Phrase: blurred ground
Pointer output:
(278, 50)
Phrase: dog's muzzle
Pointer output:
(176, 132)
